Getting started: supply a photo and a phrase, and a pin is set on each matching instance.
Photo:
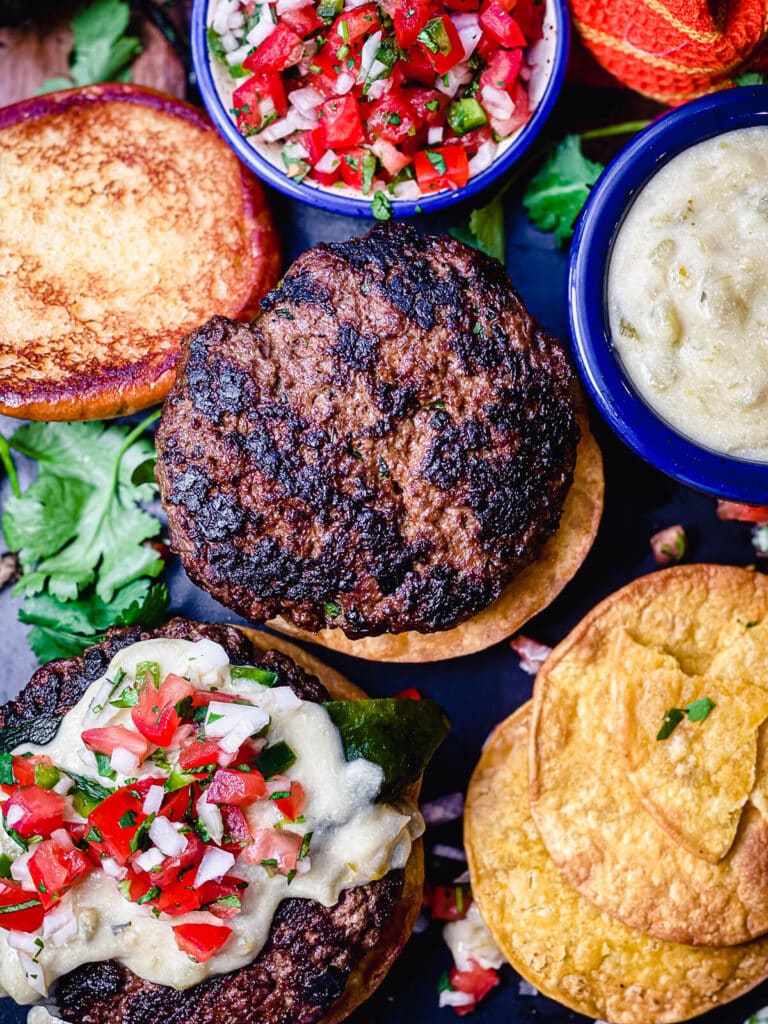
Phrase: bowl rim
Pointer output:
(643, 430)
(350, 205)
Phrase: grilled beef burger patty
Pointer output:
(317, 959)
(382, 450)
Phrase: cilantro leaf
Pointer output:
(751, 78)
(555, 196)
(485, 230)
(65, 629)
(699, 709)
(672, 719)
(80, 522)
(101, 51)
(381, 205)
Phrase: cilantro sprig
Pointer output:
(696, 711)
(79, 531)
(102, 51)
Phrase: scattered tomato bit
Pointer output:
(669, 545)
(741, 512)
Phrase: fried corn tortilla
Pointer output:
(530, 592)
(558, 940)
(696, 781)
(588, 813)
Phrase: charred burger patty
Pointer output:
(311, 950)
(382, 450)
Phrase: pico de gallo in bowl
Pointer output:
(181, 800)
(377, 108)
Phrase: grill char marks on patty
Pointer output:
(311, 950)
(382, 450)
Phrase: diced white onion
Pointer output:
(449, 852)
(421, 924)
(483, 158)
(89, 759)
(229, 42)
(63, 786)
(223, 14)
(497, 102)
(435, 134)
(235, 57)
(236, 21)
(303, 865)
(233, 723)
(34, 973)
(295, 151)
(62, 838)
(450, 998)
(327, 163)
(291, 5)
(407, 190)
(263, 28)
(368, 55)
(210, 816)
(14, 815)
(292, 122)
(443, 809)
(25, 942)
(468, 28)
(101, 701)
(350, 5)
(379, 88)
(306, 100)
(153, 800)
(151, 858)
(344, 83)
(111, 868)
(215, 864)
(282, 698)
(450, 83)
(166, 838)
(123, 761)
(60, 924)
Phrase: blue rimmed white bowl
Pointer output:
(643, 430)
(550, 59)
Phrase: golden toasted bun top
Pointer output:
(126, 223)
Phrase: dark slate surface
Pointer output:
(480, 690)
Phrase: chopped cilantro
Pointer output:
(150, 894)
(127, 819)
(381, 205)
(696, 711)
(7, 777)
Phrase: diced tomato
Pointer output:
(118, 819)
(202, 698)
(155, 715)
(36, 811)
(462, 5)
(174, 869)
(213, 892)
(429, 104)
(449, 51)
(199, 753)
(393, 118)
(410, 693)
(280, 50)
(352, 25)
(201, 941)
(179, 897)
(176, 805)
(271, 844)
(291, 806)
(476, 981)
(313, 143)
(471, 141)
(392, 160)
(24, 768)
(447, 902)
(138, 886)
(743, 513)
(529, 15)
(303, 21)
(237, 834)
(340, 123)
(54, 870)
(409, 18)
(503, 69)
(417, 68)
(233, 787)
(447, 167)
(351, 167)
(19, 910)
(107, 740)
(500, 26)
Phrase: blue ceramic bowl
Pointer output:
(613, 392)
(332, 199)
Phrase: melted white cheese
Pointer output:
(688, 293)
(354, 839)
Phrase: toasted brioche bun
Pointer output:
(528, 594)
(127, 222)
(559, 941)
(374, 966)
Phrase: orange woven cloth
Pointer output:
(673, 50)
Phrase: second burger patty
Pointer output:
(382, 450)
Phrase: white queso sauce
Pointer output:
(354, 839)
(688, 293)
